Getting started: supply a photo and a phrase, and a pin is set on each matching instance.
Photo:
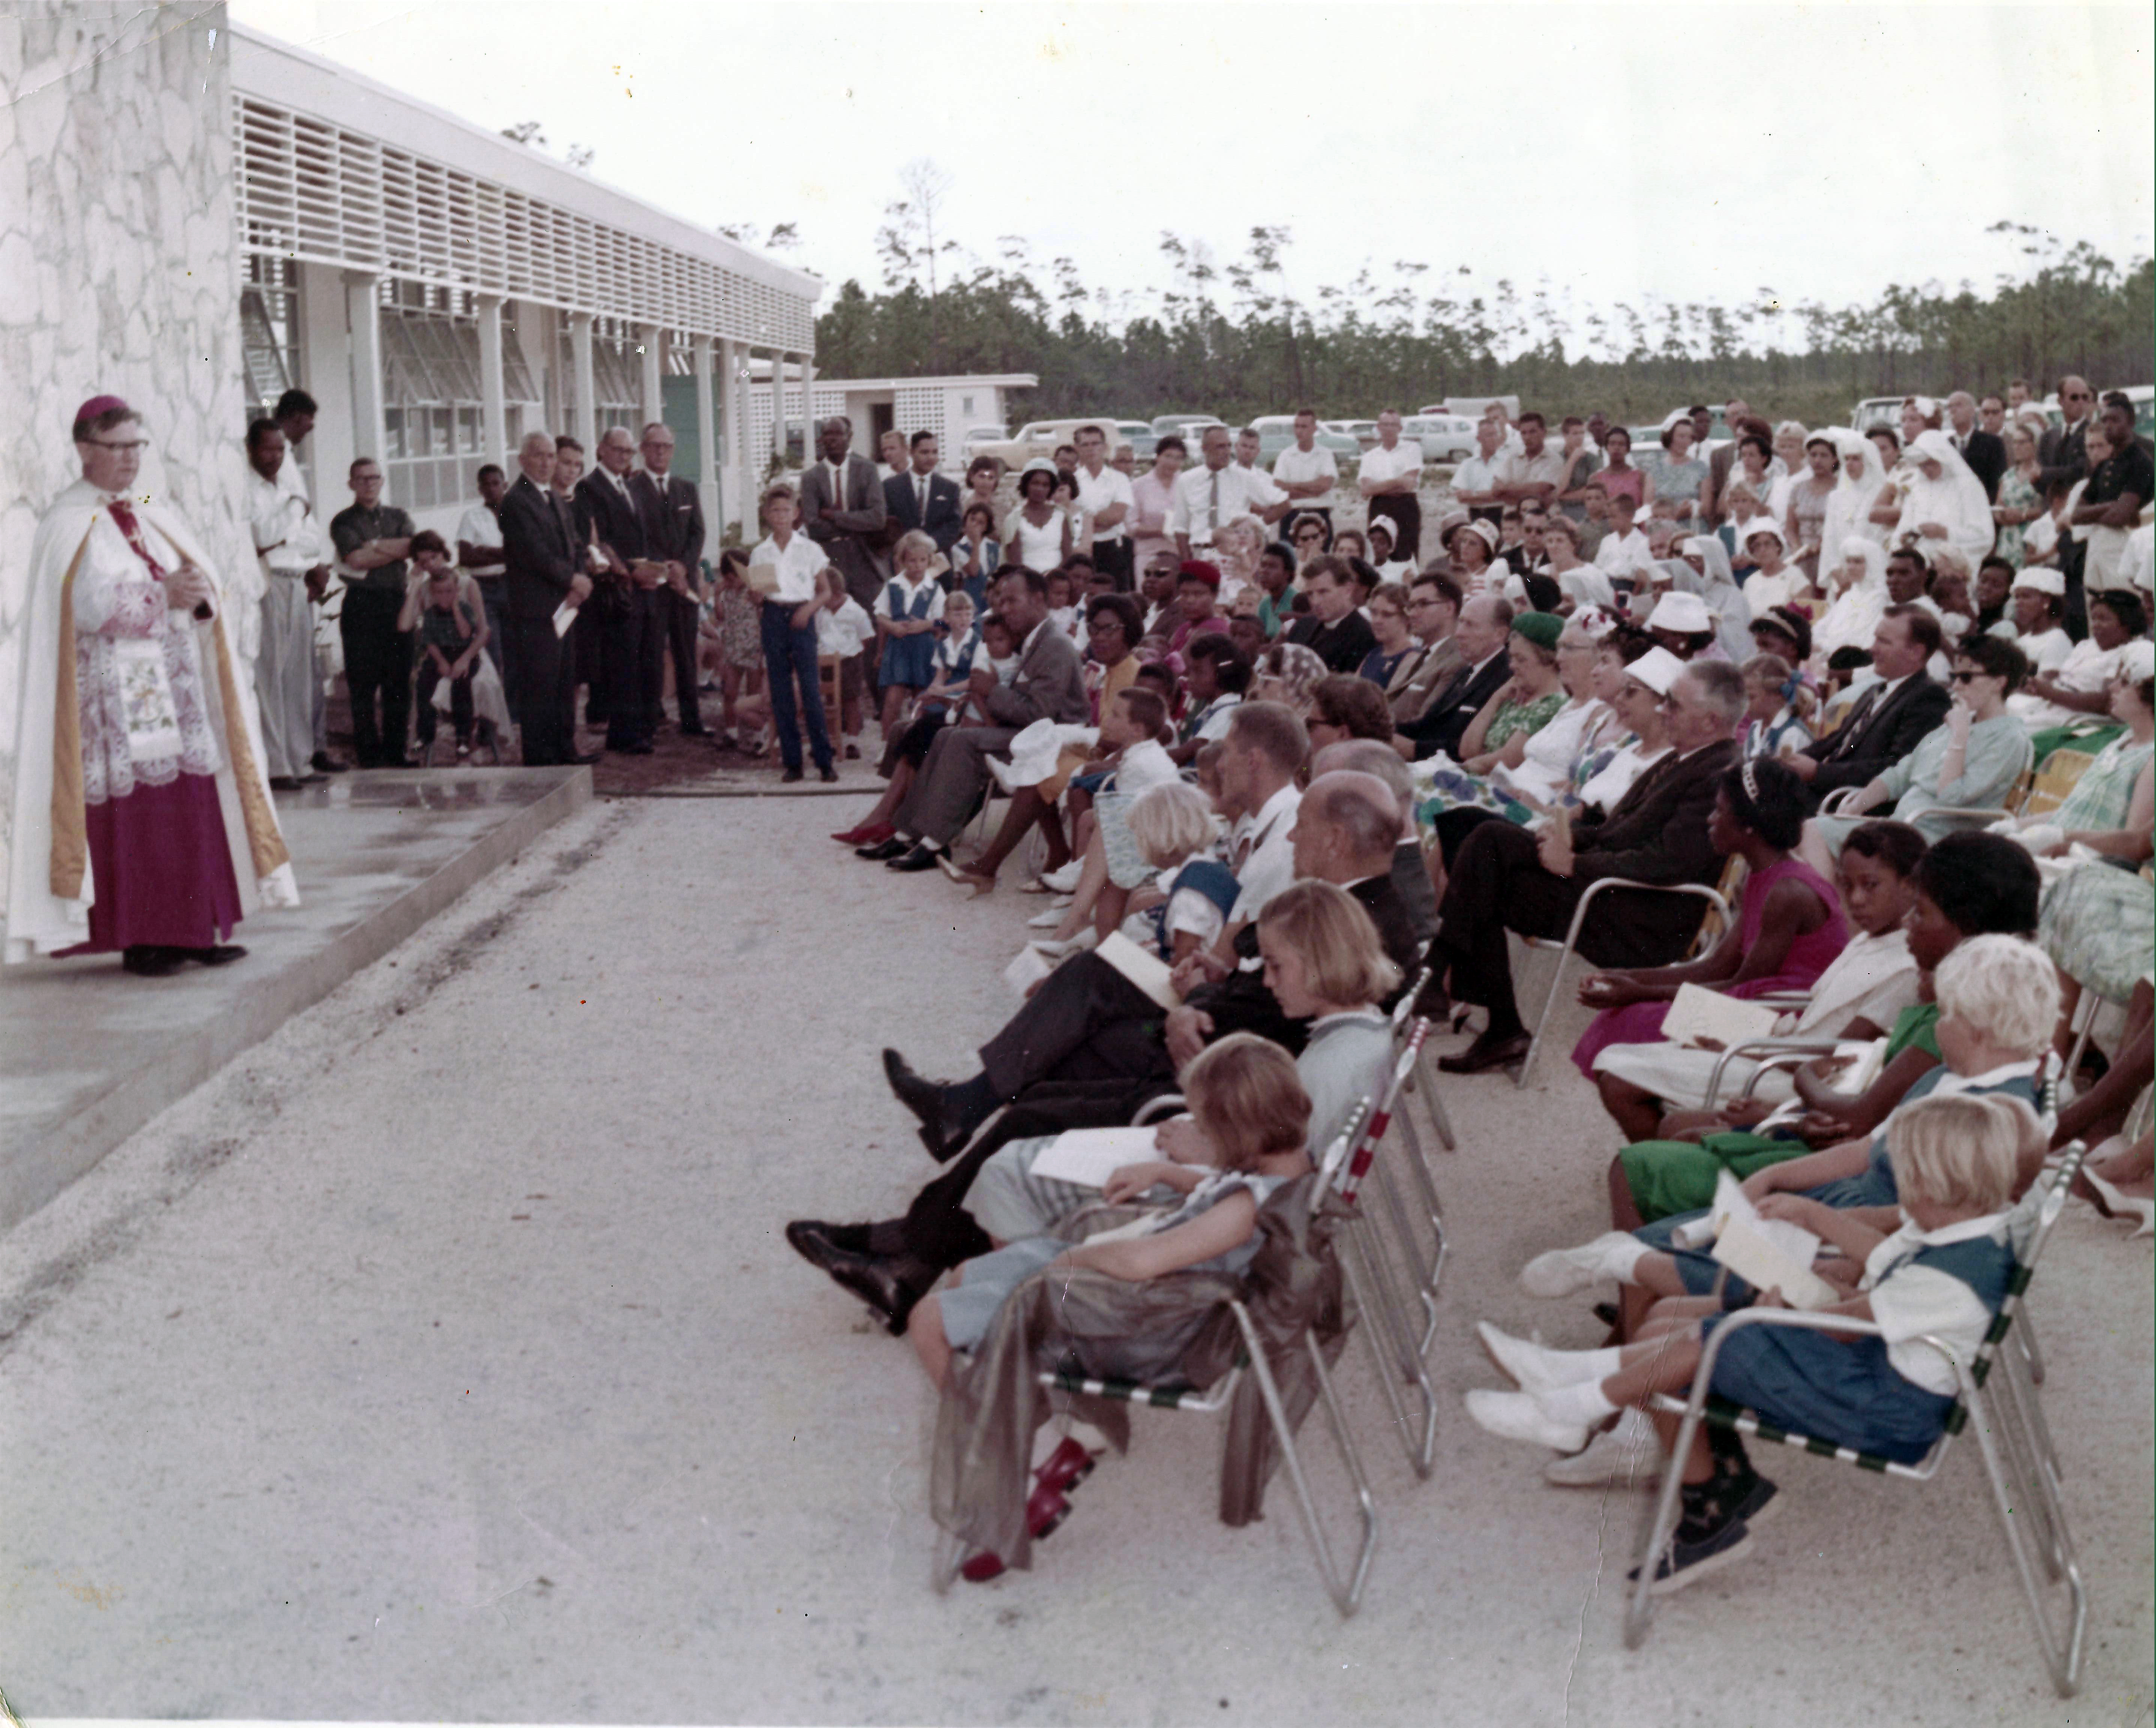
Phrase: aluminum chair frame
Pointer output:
(1345, 1588)
(2019, 1460)
(1716, 903)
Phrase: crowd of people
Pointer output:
(1280, 776)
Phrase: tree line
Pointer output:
(1231, 339)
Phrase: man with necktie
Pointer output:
(842, 509)
(1216, 492)
(1889, 716)
(608, 511)
(920, 497)
(674, 538)
(543, 568)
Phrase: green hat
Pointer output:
(1542, 628)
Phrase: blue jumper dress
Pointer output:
(909, 660)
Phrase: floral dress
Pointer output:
(1522, 717)
(2015, 492)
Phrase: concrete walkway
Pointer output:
(442, 1358)
(89, 1055)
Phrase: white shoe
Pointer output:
(1520, 1415)
(1527, 1365)
(2123, 1207)
(1628, 1456)
(1044, 920)
(1054, 949)
(1063, 881)
(1563, 1271)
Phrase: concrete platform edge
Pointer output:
(193, 1058)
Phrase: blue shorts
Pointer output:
(1829, 1389)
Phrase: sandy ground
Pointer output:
(443, 1359)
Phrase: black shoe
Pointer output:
(884, 850)
(929, 1102)
(693, 731)
(147, 959)
(829, 776)
(1708, 1536)
(1487, 1053)
(584, 759)
(816, 1241)
(222, 954)
(325, 763)
(284, 782)
(637, 749)
(920, 858)
(892, 1284)
(790, 777)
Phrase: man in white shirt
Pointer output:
(1105, 495)
(478, 552)
(1217, 491)
(294, 555)
(1388, 479)
(1534, 471)
(1475, 481)
(295, 417)
(1306, 472)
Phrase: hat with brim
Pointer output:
(1657, 669)
(1681, 614)
(1789, 623)
(2042, 582)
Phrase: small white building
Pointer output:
(440, 290)
(950, 406)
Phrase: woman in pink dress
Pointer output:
(1790, 928)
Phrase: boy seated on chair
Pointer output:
(843, 631)
(1943, 1274)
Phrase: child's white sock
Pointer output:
(1581, 1403)
(1570, 1368)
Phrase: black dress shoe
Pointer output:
(829, 776)
(637, 749)
(892, 1284)
(148, 960)
(1487, 1053)
(284, 782)
(790, 777)
(220, 954)
(884, 849)
(325, 763)
(918, 1094)
(819, 1243)
(920, 858)
(694, 731)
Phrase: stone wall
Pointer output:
(118, 268)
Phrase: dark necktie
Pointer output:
(1859, 714)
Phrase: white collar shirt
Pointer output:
(1206, 498)
(283, 528)
(1475, 475)
(1623, 554)
(1104, 491)
(293, 478)
(1402, 462)
(1269, 868)
(1296, 464)
(797, 562)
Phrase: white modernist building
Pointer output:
(440, 290)
(951, 407)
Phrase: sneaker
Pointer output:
(1709, 1536)
(1628, 1456)
(1520, 1415)
(1562, 1271)
(1527, 1365)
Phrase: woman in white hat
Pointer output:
(2039, 600)
(1475, 565)
(1774, 580)
(1682, 624)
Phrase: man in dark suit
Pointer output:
(541, 569)
(1333, 629)
(1505, 877)
(608, 509)
(1049, 683)
(674, 537)
(1486, 622)
(842, 511)
(1089, 1046)
(923, 499)
(1984, 453)
(1888, 717)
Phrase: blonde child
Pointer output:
(1943, 1274)
(908, 609)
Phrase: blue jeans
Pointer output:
(787, 652)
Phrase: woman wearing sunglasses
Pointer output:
(1969, 763)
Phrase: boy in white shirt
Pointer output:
(1624, 552)
(843, 629)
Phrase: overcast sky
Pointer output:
(1619, 152)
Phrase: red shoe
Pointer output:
(1067, 1466)
(1045, 1509)
(869, 834)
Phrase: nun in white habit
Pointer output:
(1849, 506)
(1707, 573)
(1944, 504)
(1856, 590)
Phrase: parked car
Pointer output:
(975, 439)
(1363, 431)
(1038, 437)
(1138, 434)
(1276, 432)
(1186, 426)
(1445, 438)
(1472, 407)
(1876, 411)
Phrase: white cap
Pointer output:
(1657, 669)
(2137, 659)
(1685, 614)
(2040, 581)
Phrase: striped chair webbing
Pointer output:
(1722, 1413)
(1162, 1395)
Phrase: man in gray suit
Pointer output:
(842, 509)
(1051, 684)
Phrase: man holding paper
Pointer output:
(542, 578)
(629, 614)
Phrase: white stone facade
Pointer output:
(118, 264)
